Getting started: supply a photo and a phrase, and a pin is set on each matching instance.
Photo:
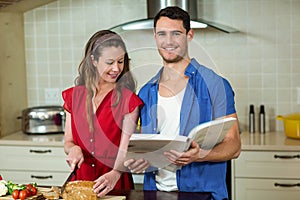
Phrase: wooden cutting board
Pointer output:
(108, 197)
(39, 196)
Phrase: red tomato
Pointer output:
(23, 194)
(29, 186)
(33, 191)
(28, 192)
(15, 194)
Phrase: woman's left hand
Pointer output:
(106, 182)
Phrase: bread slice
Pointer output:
(51, 195)
(79, 190)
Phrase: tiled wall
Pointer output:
(261, 61)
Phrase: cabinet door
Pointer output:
(266, 189)
(41, 178)
(263, 164)
(33, 158)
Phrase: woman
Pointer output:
(101, 114)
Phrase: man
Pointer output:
(182, 95)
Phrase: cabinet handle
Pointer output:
(286, 184)
(40, 151)
(286, 156)
(41, 177)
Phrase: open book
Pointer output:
(152, 146)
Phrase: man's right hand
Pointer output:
(137, 166)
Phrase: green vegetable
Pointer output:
(34, 184)
(13, 186)
(9, 186)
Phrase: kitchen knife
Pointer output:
(72, 174)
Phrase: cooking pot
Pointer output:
(291, 123)
(43, 120)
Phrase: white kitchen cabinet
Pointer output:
(24, 164)
(33, 158)
(258, 188)
(267, 170)
(37, 158)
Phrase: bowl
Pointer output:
(291, 124)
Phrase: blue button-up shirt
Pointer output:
(207, 96)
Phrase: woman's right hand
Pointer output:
(75, 157)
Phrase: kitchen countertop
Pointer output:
(158, 195)
(149, 195)
(20, 138)
(270, 141)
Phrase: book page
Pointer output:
(211, 133)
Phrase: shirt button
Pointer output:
(93, 152)
(93, 165)
(91, 140)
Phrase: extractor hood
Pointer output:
(153, 6)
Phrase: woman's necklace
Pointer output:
(97, 101)
(98, 98)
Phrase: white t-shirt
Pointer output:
(168, 118)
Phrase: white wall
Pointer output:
(261, 61)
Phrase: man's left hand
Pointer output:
(184, 158)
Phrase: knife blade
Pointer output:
(72, 174)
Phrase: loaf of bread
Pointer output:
(79, 190)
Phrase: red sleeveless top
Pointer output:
(99, 147)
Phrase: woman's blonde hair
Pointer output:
(88, 74)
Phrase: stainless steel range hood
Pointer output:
(153, 6)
